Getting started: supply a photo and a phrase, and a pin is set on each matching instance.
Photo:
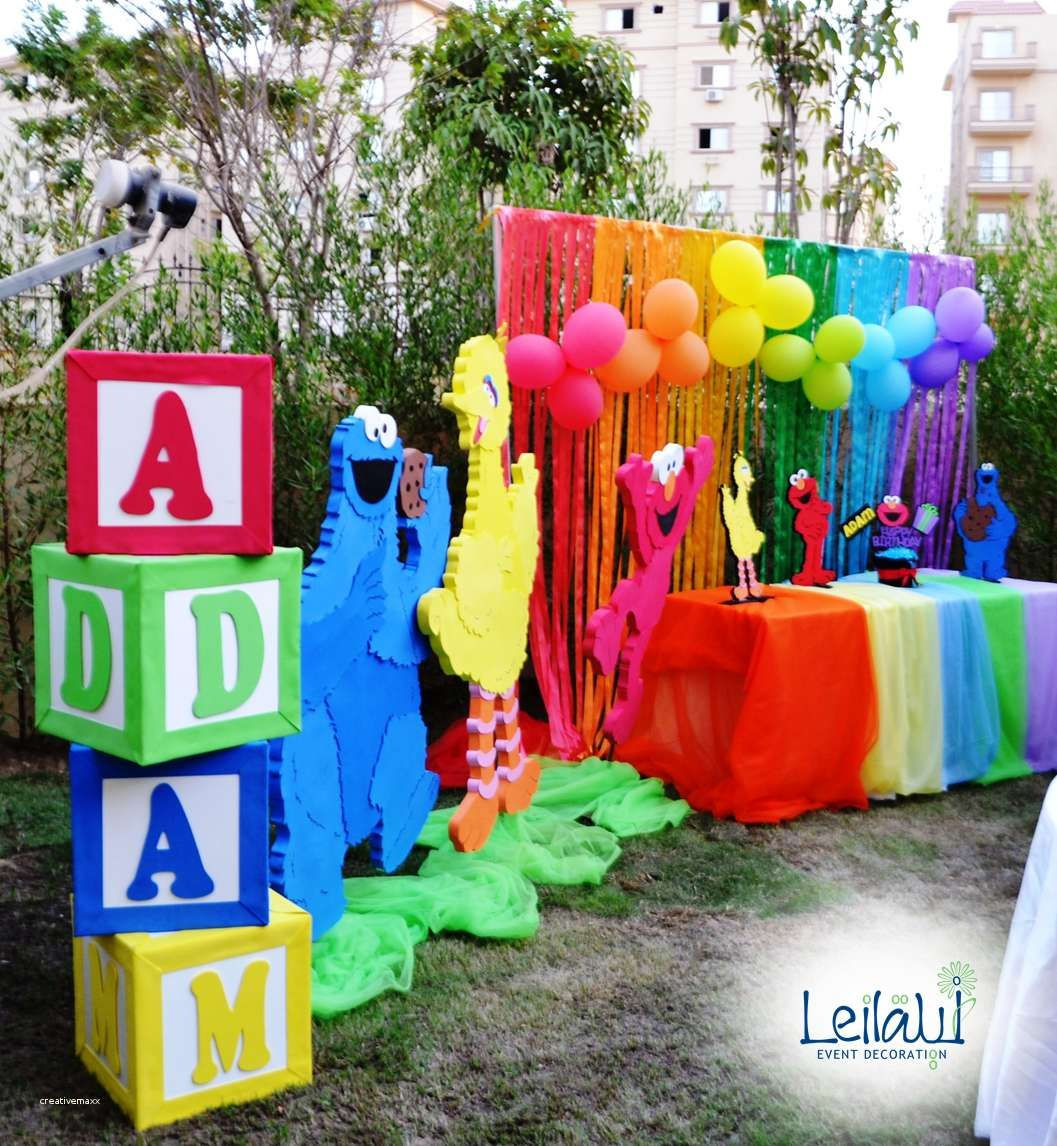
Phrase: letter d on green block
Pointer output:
(80, 689)
(214, 698)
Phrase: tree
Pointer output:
(1016, 407)
(536, 111)
(789, 42)
(820, 62)
(862, 178)
(83, 95)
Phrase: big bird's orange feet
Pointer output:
(518, 786)
(472, 823)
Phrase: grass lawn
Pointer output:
(652, 1008)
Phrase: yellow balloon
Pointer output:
(786, 302)
(828, 385)
(739, 272)
(736, 336)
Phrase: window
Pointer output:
(713, 12)
(715, 75)
(774, 204)
(996, 105)
(713, 139)
(710, 201)
(997, 44)
(995, 164)
(992, 227)
(619, 19)
(374, 91)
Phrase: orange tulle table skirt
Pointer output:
(760, 711)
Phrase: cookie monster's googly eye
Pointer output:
(372, 421)
(988, 466)
(387, 430)
(491, 390)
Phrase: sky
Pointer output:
(916, 98)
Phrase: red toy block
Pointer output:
(169, 453)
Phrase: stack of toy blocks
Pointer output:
(167, 637)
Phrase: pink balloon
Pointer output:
(575, 401)
(534, 361)
(978, 345)
(593, 335)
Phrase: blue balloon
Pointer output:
(889, 388)
(912, 329)
(879, 350)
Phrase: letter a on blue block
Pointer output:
(176, 846)
(169, 824)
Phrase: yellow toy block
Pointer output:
(176, 1023)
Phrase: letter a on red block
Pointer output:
(178, 470)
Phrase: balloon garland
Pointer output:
(914, 347)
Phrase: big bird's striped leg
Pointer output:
(472, 824)
(519, 774)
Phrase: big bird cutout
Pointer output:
(477, 622)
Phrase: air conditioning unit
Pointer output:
(713, 95)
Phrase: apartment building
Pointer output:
(1004, 114)
(705, 117)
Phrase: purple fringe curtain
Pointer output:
(935, 429)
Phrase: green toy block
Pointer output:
(154, 658)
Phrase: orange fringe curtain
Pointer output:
(549, 264)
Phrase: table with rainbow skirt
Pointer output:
(762, 712)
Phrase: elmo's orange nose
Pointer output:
(669, 487)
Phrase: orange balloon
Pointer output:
(635, 364)
(684, 360)
(669, 308)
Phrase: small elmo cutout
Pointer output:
(659, 497)
(812, 523)
(896, 545)
(893, 511)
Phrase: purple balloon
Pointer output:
(979, 345)
(959, 313)
(936, 366)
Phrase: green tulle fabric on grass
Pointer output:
(490, 893)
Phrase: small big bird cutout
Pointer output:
(745, 539)
(477, 622)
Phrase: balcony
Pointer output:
(1022, 61)
(1000, 180)
(1018, 121)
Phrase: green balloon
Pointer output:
(840, 338)
(828, 385)
(786, 357)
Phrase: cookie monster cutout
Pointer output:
(357, 769)
(812, 523)
(745, 539)
(659, 496)
(986, 526)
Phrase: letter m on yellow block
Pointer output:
(106, 1030)
(223, 1025)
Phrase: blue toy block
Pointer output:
(986, 526)
(173, 847)
(358, 769)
